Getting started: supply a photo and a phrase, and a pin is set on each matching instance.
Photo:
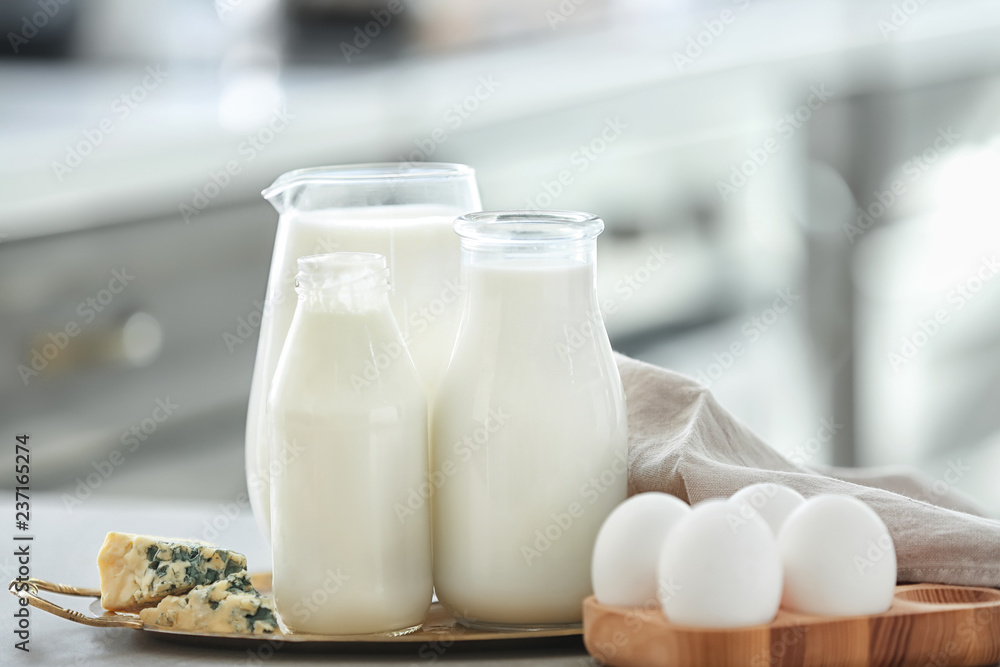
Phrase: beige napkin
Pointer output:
(682, 442)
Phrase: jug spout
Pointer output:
(304, 188)
(282, 193)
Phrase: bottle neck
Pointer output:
(342, 283)
(344, 301)
(529, 273)
(577, 252)
(560, 279)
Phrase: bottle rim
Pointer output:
(527, 227)
(370, 172)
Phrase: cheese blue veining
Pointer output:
(138, 571)
(230, 605)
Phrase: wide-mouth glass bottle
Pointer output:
(528, 433)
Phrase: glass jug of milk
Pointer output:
(404, 212)
(355, 446)
(528, 430)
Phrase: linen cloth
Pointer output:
(682, 442)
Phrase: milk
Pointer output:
(349, 444)
(425, 295)
(529, 445)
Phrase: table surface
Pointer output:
(64, 550)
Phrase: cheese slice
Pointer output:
(138, 571)
(231, 605)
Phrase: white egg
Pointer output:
(719, 569)
(623, 571)
(839, 558)
(774, 502)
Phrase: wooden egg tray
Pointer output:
(928, 625)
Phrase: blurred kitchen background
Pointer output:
(825, 177)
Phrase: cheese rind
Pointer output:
(231, 605)
(138, 571)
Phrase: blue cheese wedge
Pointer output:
(138, 571)
(231, 605)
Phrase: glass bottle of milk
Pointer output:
(347, 416)
(402, 211)
(528, 431)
